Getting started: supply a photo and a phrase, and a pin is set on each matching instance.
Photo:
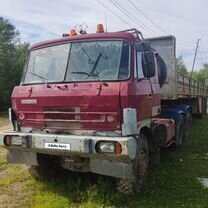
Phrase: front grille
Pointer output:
(69, 118)
(62, 113)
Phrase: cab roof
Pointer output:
(92, 36)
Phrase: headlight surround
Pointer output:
(108, 147)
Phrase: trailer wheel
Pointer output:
(188, 124)
(140, 170)
(179, 131)
(205, 106)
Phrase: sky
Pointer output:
(187, 20)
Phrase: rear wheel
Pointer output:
(187, 125)
(140, 169)
(179, 131)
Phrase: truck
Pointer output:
(105, 102)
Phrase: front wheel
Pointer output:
(48, 167)
(140, 169)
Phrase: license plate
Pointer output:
(57, 146)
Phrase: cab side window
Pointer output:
(140, 74)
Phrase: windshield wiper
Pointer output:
(37, 75)
(95, 64)
(87, 73)
(91, 73)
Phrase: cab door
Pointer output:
(148, 99)
(143, 90)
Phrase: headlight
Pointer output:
(109, 147)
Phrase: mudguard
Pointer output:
(183, 107)
(172, 113)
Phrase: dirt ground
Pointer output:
(4, 124)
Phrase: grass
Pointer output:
(173, 184)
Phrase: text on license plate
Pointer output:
(57, 146)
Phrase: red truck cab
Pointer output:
(60, 99)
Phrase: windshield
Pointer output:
(80, 61)
(47, 64)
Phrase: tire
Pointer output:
(187, 125)
(205, 106)
(125, 186)
(48, 167)
(179, 131)
(140, 170)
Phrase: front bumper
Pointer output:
(119, 166)
(69, 144)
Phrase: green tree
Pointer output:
(180, 65)
(12, 57)
(202, 74)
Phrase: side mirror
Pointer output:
(143, 46)
(148, 63)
